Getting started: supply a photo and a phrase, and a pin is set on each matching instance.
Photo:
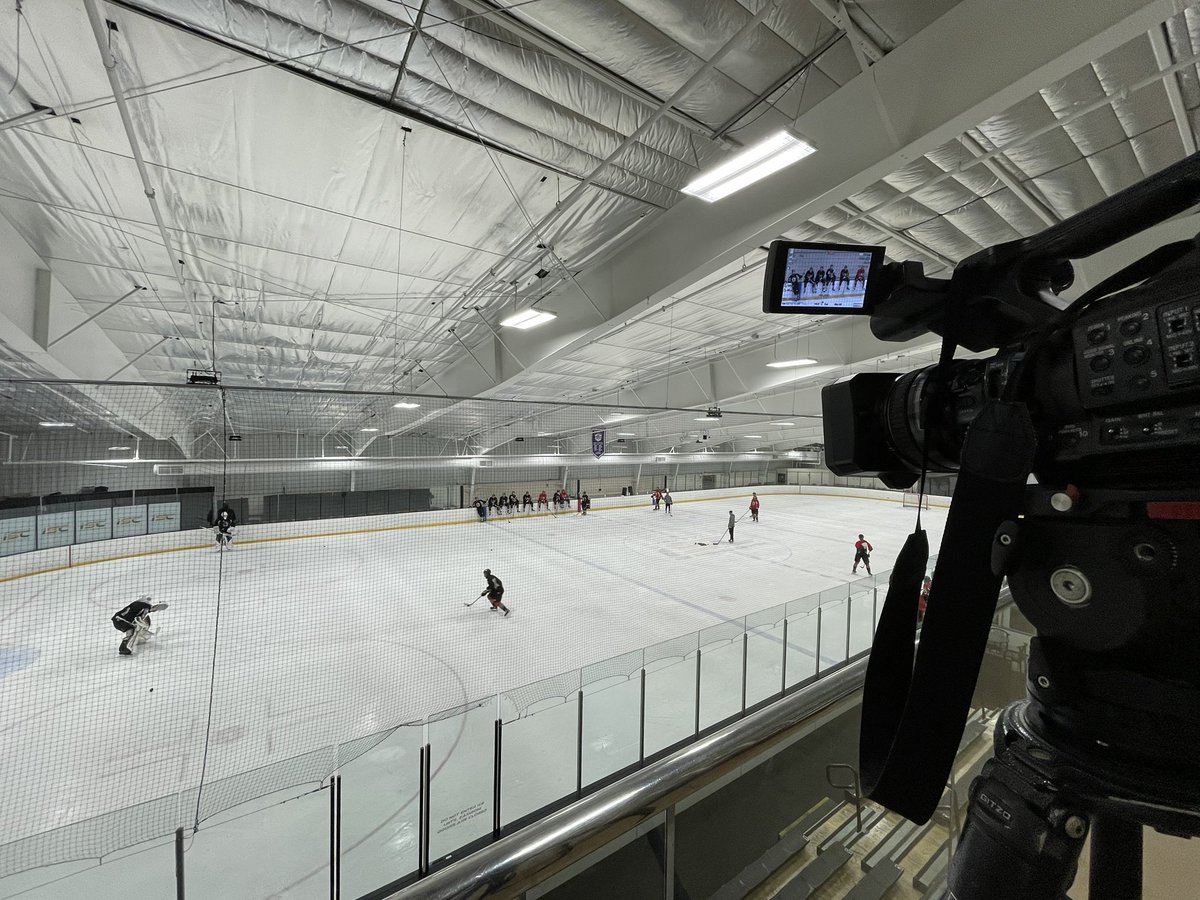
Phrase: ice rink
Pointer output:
(325, 639)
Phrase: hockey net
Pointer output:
(914, 500)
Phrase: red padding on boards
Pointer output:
(1174, 509)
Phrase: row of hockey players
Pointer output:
(823, 281)
(503, 505)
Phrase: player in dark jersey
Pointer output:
(493, 503)
(223, 524)
(862, 554)
(829, 278)
(819, 282)
(480, 509)
(844, 278)
(134, 621)
(585, 503)
(794, 282)
(810, 279)
(527, 501)
(494, 592)
(732, 522)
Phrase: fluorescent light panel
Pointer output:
(752, 164)
(706, 419)
(791, 363)
(528, 318)
(404, 404)
(368, 429)
(118, 448)
(57, 424)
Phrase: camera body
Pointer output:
(1112, 383)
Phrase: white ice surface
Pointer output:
(324, 640)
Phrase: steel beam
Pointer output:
(850, 128)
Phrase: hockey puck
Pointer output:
(152, 690)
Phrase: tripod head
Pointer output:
(1109, 738)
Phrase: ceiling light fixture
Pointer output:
(626, 434)
(57, 424)
(404, 404)
(752, 164)
(368, 429)
(528, 318)
(792, 363)
(119, 448)
(785, 424)
(752, 436)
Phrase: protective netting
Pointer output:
(340, 599)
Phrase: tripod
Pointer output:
(1109, 739)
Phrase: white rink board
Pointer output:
(325, 639)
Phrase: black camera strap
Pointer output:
(914, 712)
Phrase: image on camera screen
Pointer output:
(825, 278)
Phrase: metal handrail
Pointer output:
(522, 860)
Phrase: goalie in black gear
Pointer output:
(223, 524)
(494, 591)
(134, 621)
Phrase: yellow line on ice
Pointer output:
(323, 534)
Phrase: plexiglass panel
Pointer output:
(833, 634)
(764, 654)
(862, 628)
(462, 767)
(721, 663)
(612, 711)
(539, 758)
(281, 850)
(670, 692)
(381, 809)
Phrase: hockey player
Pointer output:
(809, 281)
(844, 278)
(829, 278)
(794, 283)
(860, 277)
(493, 503)
(732, 522)
(754, 507)
(585, 503)
(223, 523)
(819, 282)
(862, 554)
(494, 592)
(667, 501)
(134, 621)
(655, 499)
(480, 510)
(542, 504)
(512, 502)
(527, 501)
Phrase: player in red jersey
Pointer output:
(862, 554)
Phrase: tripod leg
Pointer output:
(1019, 839)
(1116, 861)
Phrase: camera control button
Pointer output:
(1103, 390)
(1097, 334)
(1130, 327)
(1100, 363)
(1135, 356)
(1141, 382)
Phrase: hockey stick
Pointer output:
(476, 600)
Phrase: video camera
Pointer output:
(1099, 400)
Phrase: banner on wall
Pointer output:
(129, 521)
(162, 517)
(18, 535)
(55, 530)
(598, 443)
(93, 525)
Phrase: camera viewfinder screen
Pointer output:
(825, 278)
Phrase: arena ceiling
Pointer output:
(350, 194)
